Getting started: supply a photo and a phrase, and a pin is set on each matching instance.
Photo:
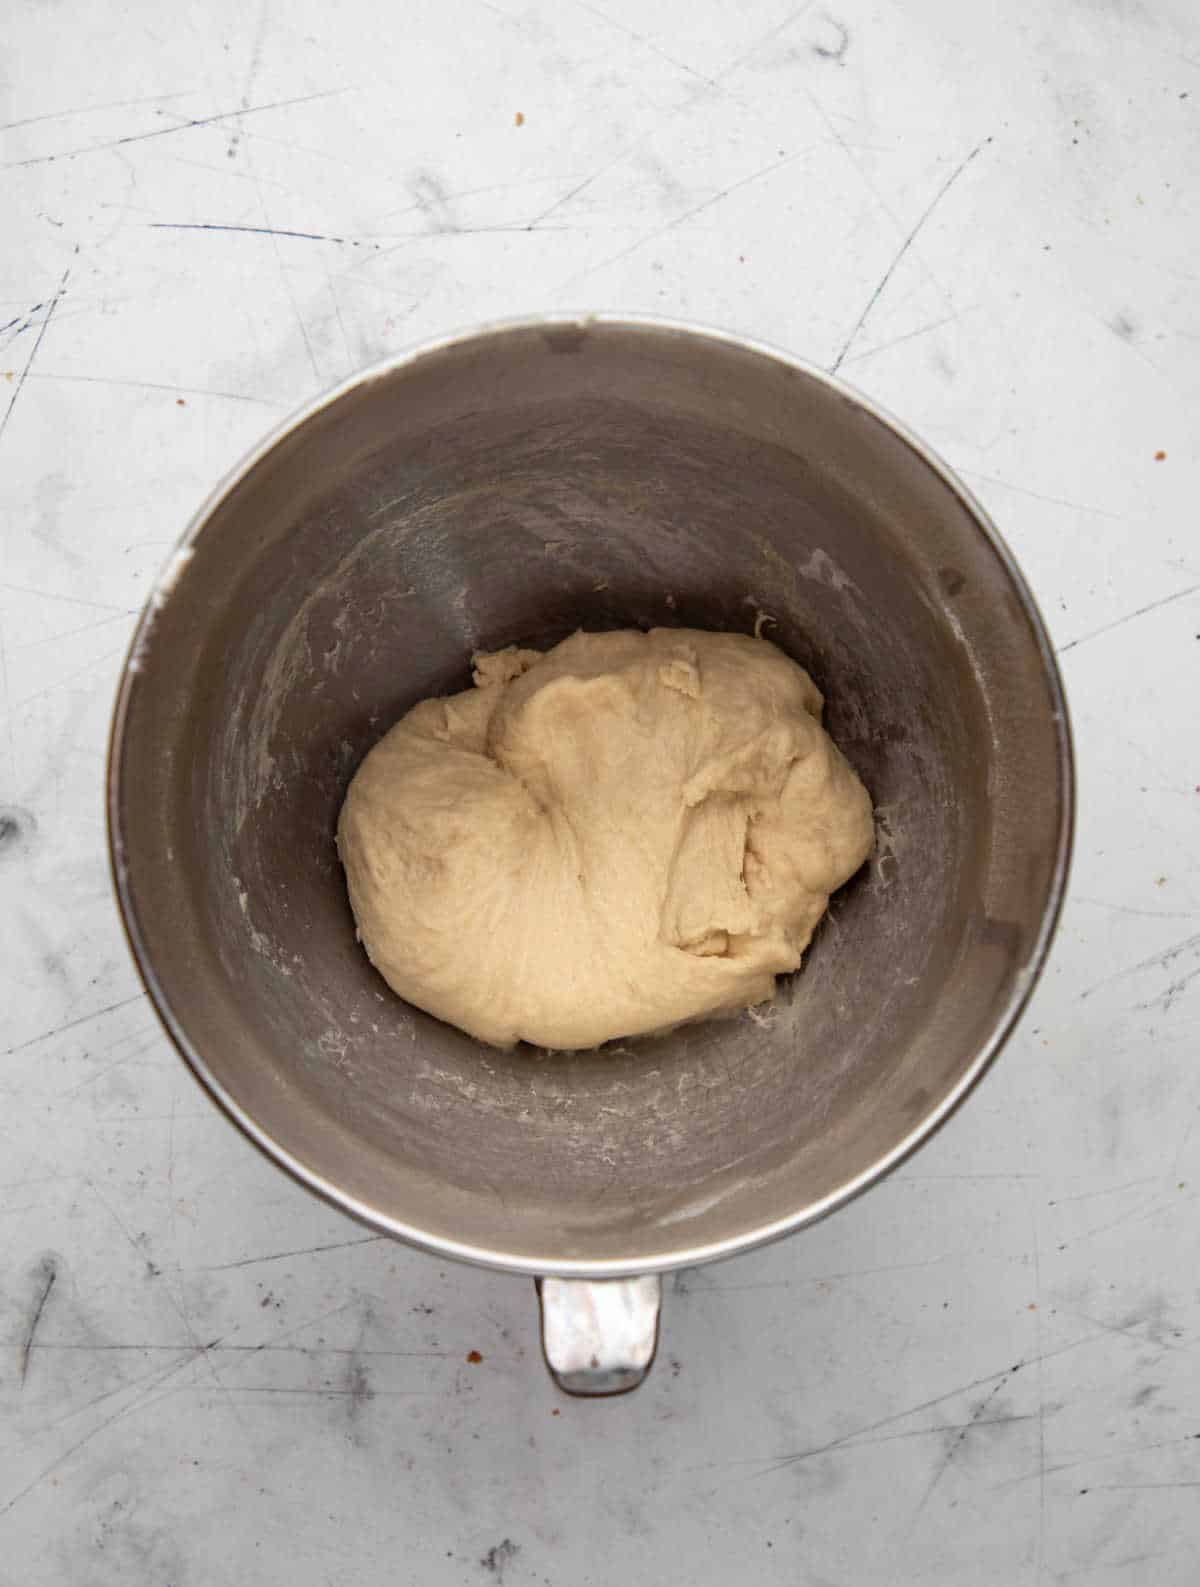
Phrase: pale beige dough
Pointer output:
(626, 832)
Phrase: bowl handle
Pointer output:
(599, 1335)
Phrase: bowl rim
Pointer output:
(1024, 981)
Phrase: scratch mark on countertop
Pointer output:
(475, 192)
(142, 1401)
(94, 110)
(895, 341)
(1127, 909)
(171, 1210)
(69, 633)
(903, 249)
(284, 278)
(1167, 998)
(581, 186)
(226, 171)
(354, 1394)
(1105, 1190)
(680, 220)
(805, 1279)
(307, 1250)
(145, 385)
(223, 1347)
(765, 38)
(261, 231)
(220, 1344)
(1122, 1487)
(22, 322)
(1013, 1176)
(937, 1429)
(1037, 495)
(127, 1234)
(256, 54)
(852, 1438)
(155, 1372)
(49, 1272)
(865, 176)
(782, 1462)
(952, 1452)
(1119, 622)
(1040, 1369)
(91, 668)
(646, 43)
(1129, 1330)
(1138, 1214)
(1157, 961)
(534, 224)
(154, 1032)
(177, 1303)
(72, 1024)
(1093, 1459)
(331, 288)
(182, 126)
(8, 712)
(45, 326)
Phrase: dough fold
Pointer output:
(621, 834)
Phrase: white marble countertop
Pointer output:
(987, 1370)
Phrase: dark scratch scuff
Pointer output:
(1157, 961)
(954, 1449)
(163, 132)
(903, 249)
(308, 1250)
(261, 231)
(72, 1024)
(1129, 617)
(45, 326)
(49, 1273)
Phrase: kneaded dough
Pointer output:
(623, 833)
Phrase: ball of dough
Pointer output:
(626, 832)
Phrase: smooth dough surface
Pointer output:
(617, 835)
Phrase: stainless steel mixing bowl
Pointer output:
(516, 484)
